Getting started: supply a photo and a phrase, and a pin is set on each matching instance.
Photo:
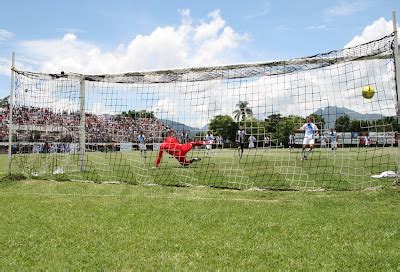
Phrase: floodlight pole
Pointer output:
(397, 81)
(11, 104)
(82, 136)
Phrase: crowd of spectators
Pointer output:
(42, 124)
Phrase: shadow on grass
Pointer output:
(13, 177)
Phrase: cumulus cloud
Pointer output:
(208, 42)
(376, 30)
(5, 35)
(207, 30)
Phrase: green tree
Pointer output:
(358, 125)
(4, 102)
(138, 114)
(243, 112)
(343, 124)
(254, 127)
(271, 122)
(318, 120)
(389, 123)
(285, 127)
(225, 126)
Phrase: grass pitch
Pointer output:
(47, 225)
(275, 168)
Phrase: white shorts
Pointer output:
(251, 145)
(208, 147)
(142, 147)
(308, 141)
(333, 144)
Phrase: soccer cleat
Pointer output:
(196, 159)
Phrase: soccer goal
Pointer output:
(167, 127)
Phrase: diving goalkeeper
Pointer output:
(172, 146)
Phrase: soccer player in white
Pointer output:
(310, 129)
(210, 140)
(366, 141)
(333, 139)
(142, 144)
(221, 142)
(267, 142)
(240, 134)
(292, 141)
(323, 141)
(252, 140)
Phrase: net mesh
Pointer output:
(234, 126)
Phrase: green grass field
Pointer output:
(277, 168)
(50, 225)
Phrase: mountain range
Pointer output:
(330, 114)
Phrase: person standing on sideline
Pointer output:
(333, 139)
(240, 134)
(142, 144)
(292, 141)
(252, 140)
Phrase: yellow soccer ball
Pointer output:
(368, 92)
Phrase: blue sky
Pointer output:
(116, 36)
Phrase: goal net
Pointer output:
(235, 126)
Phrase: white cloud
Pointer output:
(209, 42)
(316, 27)
(69, 37)
(207, 30)
(345, 9)
(376, 30)
(5, 66)
(165, 107)
(5, 35)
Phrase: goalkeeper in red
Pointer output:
(172, 146)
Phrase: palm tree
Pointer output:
(243, 112)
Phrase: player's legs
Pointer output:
(334, 147)
(303, 155)
(181, 157)
(303, 150)
(307, 143)
(241, 147)
(182, 150)
(208, 150)
(311, 144)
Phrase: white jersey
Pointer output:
(240, 136)
(210, 138)
(310, 129)
(333, 136)
(252, 139)
(142, 142)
